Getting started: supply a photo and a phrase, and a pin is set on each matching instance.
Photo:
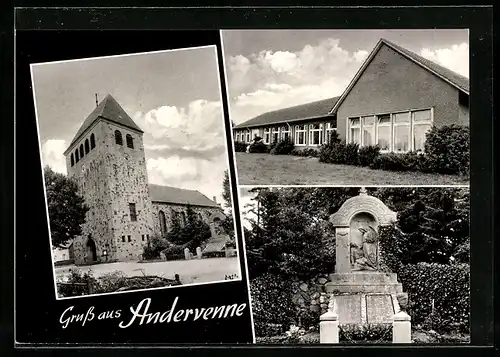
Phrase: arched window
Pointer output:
(87, 148)
(81, 151)
(118, 137)
(163, 224)
(77, 156)
(130, 141)
(92, 141)
(72, 160)
(183, 219)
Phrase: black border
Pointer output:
(477, 19)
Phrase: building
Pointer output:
(393, 100)
(106, 158)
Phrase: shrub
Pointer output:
(307, 152)
(367, 154)
(283, 147)
(258, 147)
(77, 284)
(174, 252)
(410, 161)
(272, 306)
(447, 149)
(240, 146)
(155, 245)
(365, 333)
(351, 154)
(444, 287)
(214, 254)
(332, 153)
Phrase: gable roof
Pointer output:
(168, 194)
(312, 110)
(456, 80)
(108, 109)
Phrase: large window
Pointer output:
(397, 132)
(315, 134)
(133, 212)
(300, 135)
(237, 137)
(163, 223)
(267, 135)
(401, 132)
(247, 135)
(384, 132)
(330, 128)
(422, 123)
(284, 133)
(275, 134)
(355, 130)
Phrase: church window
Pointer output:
(118, 137)
(142, 237)
(72, 160)
(92, 141)
(129, 238)
(183, 219)
(133, 212)
(87, 148)
(77, 156)
(123, 238)
(130, 141)
(81, 151)
(163, 223)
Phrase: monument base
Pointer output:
(364, 282)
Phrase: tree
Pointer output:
(193, 234)
(226, 191)
(67, 208)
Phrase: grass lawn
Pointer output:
(266, 169)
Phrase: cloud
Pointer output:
(360, 55)
(52, 155)
(455, 57)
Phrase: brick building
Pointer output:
(107, 160)
(394, 98)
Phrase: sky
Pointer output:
(246, 204)
(273, 69)
(173, 96)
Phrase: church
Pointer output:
(106, 158)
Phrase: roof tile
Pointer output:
(168, 194)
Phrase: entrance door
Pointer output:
(91, 250)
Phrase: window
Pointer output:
(237, 137)
(275, 134)
(330, 128)
(142, 237)
(384, 132)
(129, 238)
(300, 135)
(355, 130)
(133, 212)
(147, 236)
(163, 223)
(130, 141)
(315, 134)
(247, 137)
(422, 123)
(285, 133)
(72, 160)
(81, 151)
(368, 135)
(77, 157)
(92, 141)
(183, 219)
(87, 147)
(118, 137)
(267, 135)
(401, 132)
(123, 238)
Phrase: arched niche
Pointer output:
(363, 204)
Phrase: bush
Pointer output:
(332, 153)
(367, 154)
(351, 154)
(272, 306)
(214, 254)
(174, 252)
(410, 161)
(155, 245)
(258, 147)
(240, 146)
(444, 286)
(447, 149)
(365, 333)
(283, 147)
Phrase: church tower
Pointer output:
(106, 158)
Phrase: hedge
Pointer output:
(258, 147)
(240, 146)
(447, 149)
(308, 152)
(282, 147)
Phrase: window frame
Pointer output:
(313, 130)
(247, 137)
(129, 140)
(118, 137)
(92, 141)
(350, 126)
(297, 133)
(273, 132)
(395, 125)
(267, 136)
(132, 212)
(384, 125)
(328, 130)
(285, 130)
(429, 122)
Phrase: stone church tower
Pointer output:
(106, 158)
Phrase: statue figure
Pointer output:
(365, 257)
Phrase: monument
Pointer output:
(360, 292)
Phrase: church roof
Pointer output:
(312, 110)
(168, 194)
(108, 109)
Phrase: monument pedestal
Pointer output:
(363, 281)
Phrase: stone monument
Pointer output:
(360, 291)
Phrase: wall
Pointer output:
(393, 83)
(463, 115)
(169, 209)
(310, 295)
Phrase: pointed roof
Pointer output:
(312, 110)
(108, 109)
(168, 194)
(456, 80)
